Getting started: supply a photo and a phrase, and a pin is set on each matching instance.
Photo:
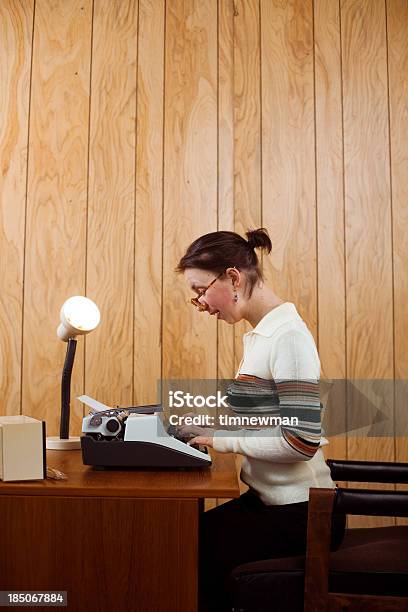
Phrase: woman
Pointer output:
(279, 377)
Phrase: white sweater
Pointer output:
(279, 375)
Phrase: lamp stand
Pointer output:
(64, 442)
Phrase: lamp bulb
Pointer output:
(79, 315)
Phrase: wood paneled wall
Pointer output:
(130, 127)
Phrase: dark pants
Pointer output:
(244, 530)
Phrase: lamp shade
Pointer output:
(79, 315)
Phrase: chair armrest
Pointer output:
(368, 471)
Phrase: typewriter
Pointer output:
(135, 437)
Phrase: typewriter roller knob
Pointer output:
(95, 421)
(112, 425)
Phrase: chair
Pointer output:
(369, 572)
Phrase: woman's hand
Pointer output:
(185, 430)
(204, 440)
(203, 435)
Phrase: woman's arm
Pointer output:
(295, 368)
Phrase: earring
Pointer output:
(235, 293)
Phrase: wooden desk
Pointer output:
(114, 540)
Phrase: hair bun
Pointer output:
(259, 239)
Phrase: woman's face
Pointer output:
(218, 300)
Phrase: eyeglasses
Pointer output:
(195, 300)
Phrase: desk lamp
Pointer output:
(79, 315)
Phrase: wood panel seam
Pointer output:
(25, 212)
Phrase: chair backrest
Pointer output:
(368, 471)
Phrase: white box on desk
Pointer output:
(22, 448)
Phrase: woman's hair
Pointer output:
(220, 250)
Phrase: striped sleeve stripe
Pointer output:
(304, 447)
(257, 394)
(301, 399)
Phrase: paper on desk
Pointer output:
(93, 403)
